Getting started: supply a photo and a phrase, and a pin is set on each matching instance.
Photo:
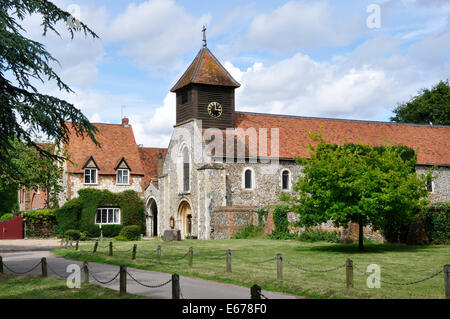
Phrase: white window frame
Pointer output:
(119, 217)
(289, 180)
(96, 176)
(253, 179)
(128, 176)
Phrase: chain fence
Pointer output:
(91, 274)
(22, 273)
(253, 262)
(399, 283)
(149, 286)
(313, 270)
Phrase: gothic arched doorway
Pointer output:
(152, 218)
(185, 218)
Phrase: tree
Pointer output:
(357, 183)
(36, 170)
(24, 111)
(429, 107)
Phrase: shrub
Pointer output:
(318, 235)
(283, 236)
(73, 234)
(7, 216)
(280, 219)
(68, 216)
(79, 213)
(40, 223)
(132, 232)
(120, 238)
(250, 231)
(111, 230)
(437, 223)
(262, 216)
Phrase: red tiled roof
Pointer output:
(205, 69)
(149, 156)
(432, 143)
(116, 141)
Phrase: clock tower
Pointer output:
(206, 92)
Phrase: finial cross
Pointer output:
(204, 36)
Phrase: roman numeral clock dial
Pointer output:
(215, 109)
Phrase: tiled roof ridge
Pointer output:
(337, 119)
(223, 68)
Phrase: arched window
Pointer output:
(248, 179)
(185, 170)
(285, 180)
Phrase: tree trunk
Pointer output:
(361, 234)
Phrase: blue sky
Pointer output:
(310, 58)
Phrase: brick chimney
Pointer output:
(159, 167)
(125, 122)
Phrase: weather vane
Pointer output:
(204, 36)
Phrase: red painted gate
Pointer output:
(11, 229)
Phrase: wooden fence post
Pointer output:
(44, 266)
(255, 292)
(85, 271)
(1, 265)
(76, 245)
(158, 255)
(123, 281)
(447, 281)
(110, 248)
(191, 256)
(95, 246)
(349, 273)
(229, 260)
(175, 286)
(134, 252)
(279, 267)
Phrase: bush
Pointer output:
(72, 234)
(437, 223)
(7, 216)
(318, 235)
(250, 231)
(280, 219)
(111, 230)
(132, 232)
(283, 236)
(68, 216)
(79, 213)
(120, 238)
(40, 223)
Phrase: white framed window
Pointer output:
(107, 216)
(248, 179)
(123, 177)
(430, 186)
(90, 176)
(285, 180)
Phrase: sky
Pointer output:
(352, 59)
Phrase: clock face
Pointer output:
(215, 109)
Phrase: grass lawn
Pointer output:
(399, 263)
(37, 287)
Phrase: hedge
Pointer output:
(280, 219)
(79, 213)
(39, 223)
(437, 222)
(132, 232)
(7, 216)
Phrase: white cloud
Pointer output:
(302, 25)
(302, 86)
(155, 131)
(156, 33)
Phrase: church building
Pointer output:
(222, 165)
